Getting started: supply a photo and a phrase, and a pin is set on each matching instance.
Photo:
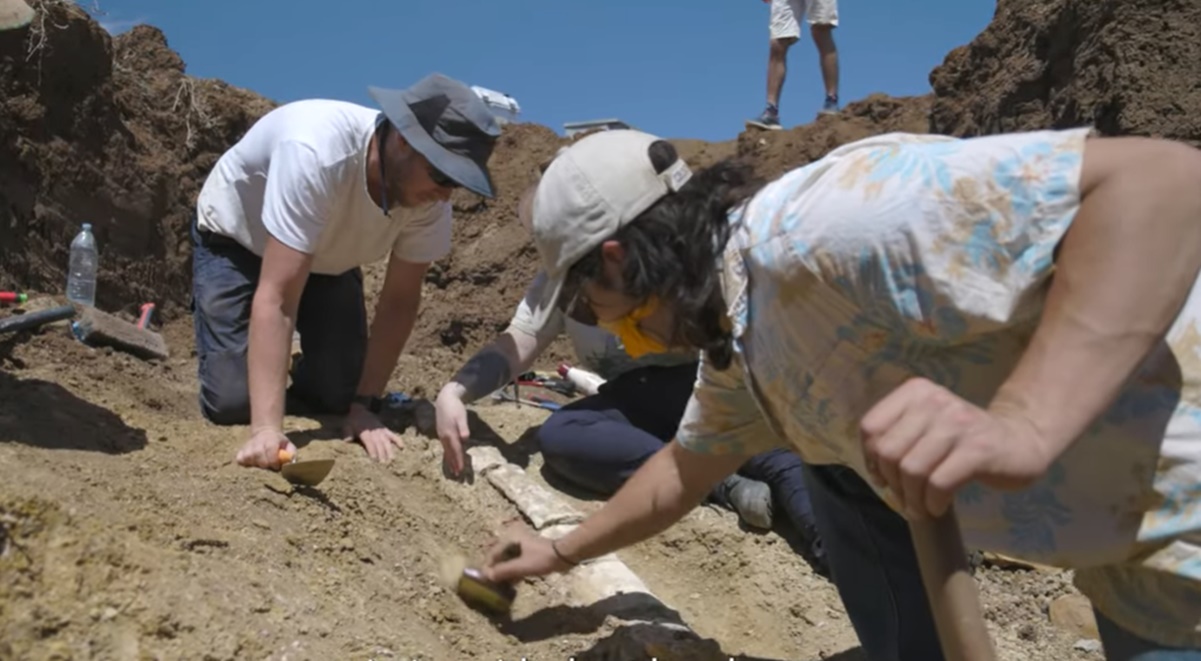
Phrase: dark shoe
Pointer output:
(751, 499)
(830, 107)
(816, 557)
(769, 120)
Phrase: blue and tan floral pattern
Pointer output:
(914, 255)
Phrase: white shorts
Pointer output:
(786, 16)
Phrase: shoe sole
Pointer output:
(750, 123)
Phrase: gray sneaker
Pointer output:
(769, 120)
(830, 107)
(751, 499)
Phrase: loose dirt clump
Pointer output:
(1127, 67)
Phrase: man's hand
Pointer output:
(535, 556)
(380, 441)
(452, 427)
(924, 442)
(262, 450)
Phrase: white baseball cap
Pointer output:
(593, 188)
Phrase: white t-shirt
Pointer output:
(597, 349)
(299, 175)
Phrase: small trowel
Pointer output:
(306, 473)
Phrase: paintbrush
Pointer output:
(469, 583)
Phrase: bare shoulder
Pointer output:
(1105, 157)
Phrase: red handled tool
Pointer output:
(11, 297)
(144, 318)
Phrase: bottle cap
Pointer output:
(87, 226)
(563, 367)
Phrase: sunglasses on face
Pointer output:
(574, 303)
(440, 178)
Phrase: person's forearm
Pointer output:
(668, 486)
(390, 332)
(269, 345)
(1124, 270)
(494, 366)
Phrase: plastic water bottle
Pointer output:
(81, 274)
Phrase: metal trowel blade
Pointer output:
(307, 473)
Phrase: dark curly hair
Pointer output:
(673, 251)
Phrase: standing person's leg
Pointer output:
(823, 18)
(332, 321)
(874, 566)
(224, 278)
(784, 30)
(783, 472)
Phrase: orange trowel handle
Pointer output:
(954, 599)
(284, 456)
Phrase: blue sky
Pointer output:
(676, 68)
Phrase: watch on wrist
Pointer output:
(369, 402)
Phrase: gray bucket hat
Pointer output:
(448, 124)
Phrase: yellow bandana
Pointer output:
(636, 342)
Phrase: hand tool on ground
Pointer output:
(306, 473)
(540, 403)
(33, 319)
(15, 14)
(551, 383)
(147, 310)
(476, 591)
(951, 590)
(11, 297)
(96, 328)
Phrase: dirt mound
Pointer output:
(1125, 66)
(777, 152)
(474, 290)
(110, 132)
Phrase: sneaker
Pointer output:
(830, 107)
(769, 120)
(751, 499)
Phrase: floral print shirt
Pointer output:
(922, 255)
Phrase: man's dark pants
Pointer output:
(331, 320)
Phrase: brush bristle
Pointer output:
(451, 570)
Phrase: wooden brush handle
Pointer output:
(951, 589)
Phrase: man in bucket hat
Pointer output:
(288, 216)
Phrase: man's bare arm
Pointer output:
(395, 314)
(495, 365)
(282, 277)
(1124, 270)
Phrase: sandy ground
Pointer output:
(130, 534)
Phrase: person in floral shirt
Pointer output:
(1006, 323)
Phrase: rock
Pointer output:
(542, 507)
(1074, 613)
(1087, 645)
